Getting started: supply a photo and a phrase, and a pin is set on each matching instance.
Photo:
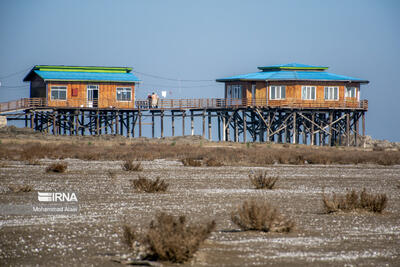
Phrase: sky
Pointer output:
(208, 39)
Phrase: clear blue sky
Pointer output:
(209, 39)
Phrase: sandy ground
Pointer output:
(93, 235)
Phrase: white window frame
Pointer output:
(329, 93)
(349, 90)
(124, 89)
(307, 92)
(234, 91)
(58, 88)
(278, 89)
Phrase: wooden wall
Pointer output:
(107, 95)
(293, 93)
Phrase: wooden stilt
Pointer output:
(219, 127)
(31, 117)
(204, 124)
(348, 129)
(236, 139)
(355, 121)
(223, 129)
(192, 123)
(152, 124)
(209, 126)
(140, 123)
(98, 123)
(244, 126)
(312, 129)
(183, 123)
(173, 123)
(162, 123)
(294, 128)
(54, 122)
(128, 125)
(82, 124)
(330, 128)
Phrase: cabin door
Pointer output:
(92, 96)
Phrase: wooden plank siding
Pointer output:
(107, 95)
(293, 93)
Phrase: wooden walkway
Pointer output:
(179, 104)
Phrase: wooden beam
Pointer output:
(162, 123)
(209, 126)
(173, 123)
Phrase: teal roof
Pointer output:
(292, 72)
(75, 73)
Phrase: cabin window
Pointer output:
(277, 92)
(331, 93)
(308, 92)
(124, 93)
(234, 91)
(351, 92)
(58, 93)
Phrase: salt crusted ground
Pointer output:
(93, 236)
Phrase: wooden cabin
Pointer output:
(86, 87)
(294, 85)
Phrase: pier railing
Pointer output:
(168, 104)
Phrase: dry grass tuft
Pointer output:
(149, 186)
(33, 162)
(128, 165)
(169, 238)
(58, 167)
(212, 162)
(191, 162)
(261, 180)
(352, 201)
(20, 188)
(260, 217)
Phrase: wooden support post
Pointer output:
(330, 128)
(321, 133)
(173, 123)
(268, 126)
(47, 122)
(244, 127)
(355, 121)
(82, 122)
(253, 126)
(191, 123)
(121, 123)
(26, 120)
(294, 128)
(162, 123)
(204, 124)
(236, 139)
(223, 129)
(106, 121)
(54, 122)
(348, 129)
(140, 123)
(304, 132)
(98, 123)
(116, 122)
(219, 127)
(152, 124)
(209, 126)
(312, 129)
(134, 118)
(363, 126)
(128, 125)
(32, 117)
(183, 123)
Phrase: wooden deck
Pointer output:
(183, 104)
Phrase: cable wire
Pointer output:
(170, 79)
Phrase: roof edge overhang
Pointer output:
(290, 80)
(97, 81)
(319, 68)
(82, 68)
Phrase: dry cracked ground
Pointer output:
(93, 235)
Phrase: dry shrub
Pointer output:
(212, 162)
(20, 188)
(33, 162)
(352, 201)
(169, 238)
(128, 165)
(149, 186)
(261, 180)
(112, 175)
(191, 162)
(58, 167)
(260, 217)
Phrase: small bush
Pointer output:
(212, 162)
(169, 238)
(260, 217)
(128, 165)
(20, 188)
(262, 181)
(58, 167)
(191, 162)
(149, 186)
(352, 201)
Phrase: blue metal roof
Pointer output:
(297, 66)
(86, 76)
(292, 75)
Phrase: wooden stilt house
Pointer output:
(294, 85)
(73, 86)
